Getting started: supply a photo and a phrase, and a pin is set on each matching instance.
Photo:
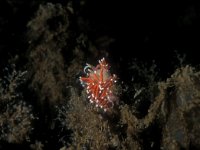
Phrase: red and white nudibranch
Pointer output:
(98, 84)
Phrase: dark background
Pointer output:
(146, 30)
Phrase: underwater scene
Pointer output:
(99, 75)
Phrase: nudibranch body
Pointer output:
(99, 83)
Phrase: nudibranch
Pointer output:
(98, 84)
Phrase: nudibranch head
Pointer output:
(98, 84)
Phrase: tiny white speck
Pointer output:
(101, 89)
